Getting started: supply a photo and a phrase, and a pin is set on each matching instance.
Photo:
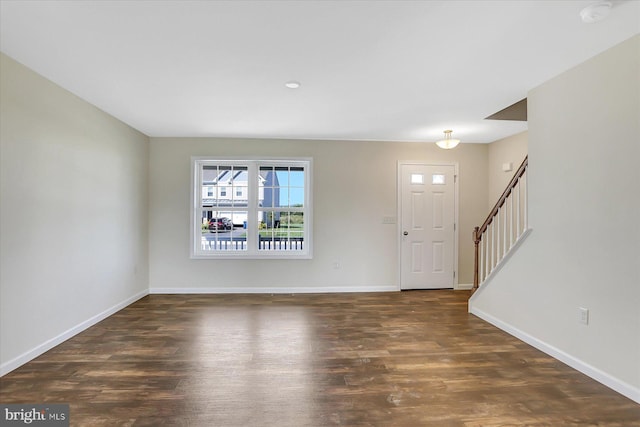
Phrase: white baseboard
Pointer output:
(463, 287)
(15, 363)
(613, 383)
(275, 290)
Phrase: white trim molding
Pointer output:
(16, 362)
(608, 380)
(275, 290)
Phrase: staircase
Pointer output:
(503, 230)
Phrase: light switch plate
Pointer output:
(584, 315)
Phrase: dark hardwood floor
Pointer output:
(385, 359)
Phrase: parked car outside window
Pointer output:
(217, 224)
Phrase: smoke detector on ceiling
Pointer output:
(595, 12)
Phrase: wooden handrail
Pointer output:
(512, 184)
(478, 231)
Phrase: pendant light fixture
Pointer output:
(447, 143)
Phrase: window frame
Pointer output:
(253, 165)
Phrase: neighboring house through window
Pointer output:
(251, 208)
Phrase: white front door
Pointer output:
(427, 223)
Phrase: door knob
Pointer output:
(406, 233)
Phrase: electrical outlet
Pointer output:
(336, 265)
(584, 315)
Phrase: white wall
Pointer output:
(73, 214)
(584, 251)
(512, 149)
(354, 188)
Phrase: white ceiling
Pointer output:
(370, 70)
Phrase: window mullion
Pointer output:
(252, 208)
(197, 206)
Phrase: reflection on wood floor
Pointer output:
(378, 359)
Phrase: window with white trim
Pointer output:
(251, 208)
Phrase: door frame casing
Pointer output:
(456, 191)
